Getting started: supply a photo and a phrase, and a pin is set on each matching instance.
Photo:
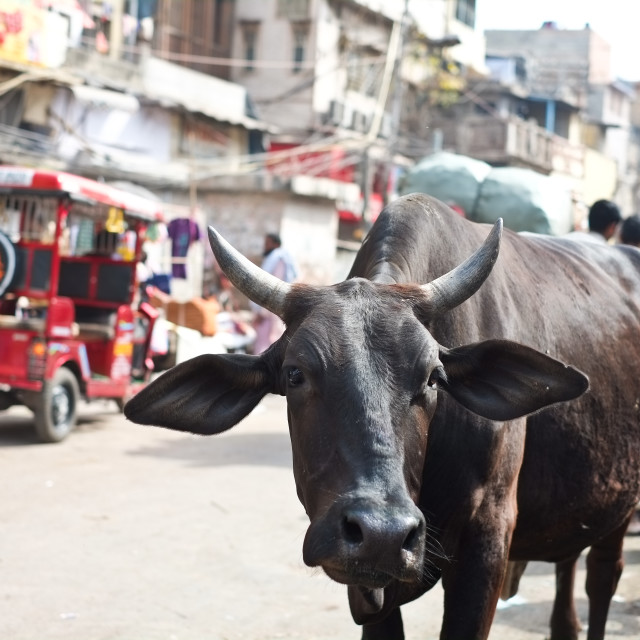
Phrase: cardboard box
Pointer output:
(197, 313)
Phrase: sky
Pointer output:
(617, 21)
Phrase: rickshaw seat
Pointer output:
(95, 323)
(92, 330)
(25, 324)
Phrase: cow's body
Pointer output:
(576, 300)
(573, 465)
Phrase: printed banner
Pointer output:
(31, 35)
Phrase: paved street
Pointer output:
(134, 533)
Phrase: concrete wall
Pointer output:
(337, 32)
(600, 175)
(277, 90)
(309, 230)
(600, 69)
(556, 59)
(307, 226)
(330, 74)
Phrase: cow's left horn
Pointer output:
(454, 287)
(258, 285)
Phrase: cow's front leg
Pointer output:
(472, 581)
(564, 619)
(604, 567)
(378, 610)
(391, 628)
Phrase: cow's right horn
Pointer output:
(453, 288)
(258, 285)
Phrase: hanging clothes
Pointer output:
(183, 233)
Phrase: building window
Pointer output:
(218, 21)
(616, 102)
(198, 28)
(362, 76)
(300, 37)
(249, 40)
(466, 12)
(293, 9)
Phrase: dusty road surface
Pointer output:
(134, 533)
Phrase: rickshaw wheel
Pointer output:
(55, 413)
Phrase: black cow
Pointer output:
(406, 400)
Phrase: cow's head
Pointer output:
(362, 376)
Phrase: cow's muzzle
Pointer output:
(361, 542)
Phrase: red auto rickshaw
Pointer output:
(72, 323)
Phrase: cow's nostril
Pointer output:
(352, 531)
(411, 540)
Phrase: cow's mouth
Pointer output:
(359, 576)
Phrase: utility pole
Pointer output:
(115, 31)
(396, 104)
(391, 71)
(133, 11)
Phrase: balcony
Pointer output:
(515, 143)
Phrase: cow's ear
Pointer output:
(206, 395)
(504, 380)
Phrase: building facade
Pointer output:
(565, 80)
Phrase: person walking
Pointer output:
(604, 218)
(278, 262)
(630, 230)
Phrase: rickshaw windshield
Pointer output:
(98, 230)
(29, 218)
(86, 229)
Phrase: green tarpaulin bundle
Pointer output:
(524, 199)
(450, 177)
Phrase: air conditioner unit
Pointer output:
(336, 112)
(359, 121)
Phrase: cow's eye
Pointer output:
(437, 376)
(295, 377)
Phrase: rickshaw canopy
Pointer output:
(14, 179)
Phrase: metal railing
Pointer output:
(13, 139)
(515, 142)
